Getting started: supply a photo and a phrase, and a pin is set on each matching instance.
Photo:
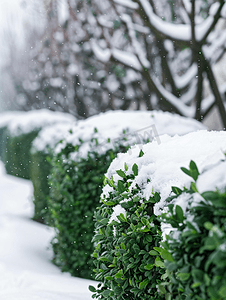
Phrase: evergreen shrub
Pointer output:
(17, 154)
(22, 129)
(127, 237)
(2, 142)
(134, 256)
(40, 168)
(77, 177)
(197, 242)
(75, 188)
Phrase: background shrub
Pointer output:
(197, 241)
(40, 168)
(17, 154)
(74, 195)
(2, 142)
(22, 129)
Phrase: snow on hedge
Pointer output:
(50, 135)
(161, 163)
(25, 122)
(8, 116)
(138, 125)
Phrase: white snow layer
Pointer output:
(25, 122)
(162, 162)
(49, 136)
(139, 125)
(26, 271)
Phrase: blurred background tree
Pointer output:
(97, 55)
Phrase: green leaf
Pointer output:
(92, 289)
(208, 225)
(106, 293)
(121, 218)
(135, 169)
(121, 187)
(149, 238)
(141, 153)
(176, 190)
(172, 266)
(149, 267)
(183, 276)
(121, 173)
(123, 246)
(222, 291)
(144, 283)
(119, 274)
(126, 167)
(193, 187)
(194, 170)
(162, 289)
(166, 255)
(108, 203)
(186, 171)
(159, 263)
(153, 252)
(196, 284)
(109, 278)
(179, 213)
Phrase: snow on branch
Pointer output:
(203, 29)
(179, 32)
(216, 48)
(127, 3)
(182, 32)
(136, 45)
(183, 81)
(102, 55)
(208, 101)
(187, 5)
(187, 111)
(127, 58)
(105, 23)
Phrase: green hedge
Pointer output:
(75, 187)
(40, 168)
(126, 260)
(197, 243)
(131, 260)
(17, 155)
(3, 137)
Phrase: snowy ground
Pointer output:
(26, 271)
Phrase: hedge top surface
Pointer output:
(135, 125)
(25, 122)
(7, 117)
(50, 135)
(161, 163)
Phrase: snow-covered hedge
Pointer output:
(40, 167)
(22, 129)
(79, 165)
(128, 258)
(196, 245)
(5, 119)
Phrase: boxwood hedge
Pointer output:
(197, 242)
(17, 154)
(75, 188)
(40, 168)
(127, 234)
(133, 257)
(77, 177)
